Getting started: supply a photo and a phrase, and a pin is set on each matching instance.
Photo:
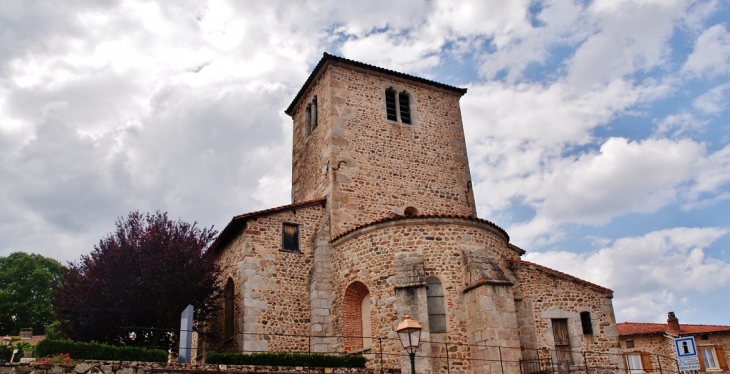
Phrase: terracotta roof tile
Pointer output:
(237, 222)
(563, 275)
(638, 328)
(394, 218)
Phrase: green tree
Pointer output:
(26, 290)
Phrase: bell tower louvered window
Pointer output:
(405, 108)
(397, 106)
(390, 104)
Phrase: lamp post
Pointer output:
(409, 332)
(6, 341)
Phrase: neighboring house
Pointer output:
(650, 346)
(383, 224)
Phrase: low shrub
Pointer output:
(98, 351)
(286, 359)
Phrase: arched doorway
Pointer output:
(357, 317)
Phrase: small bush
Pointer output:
(286, 359)
(98, 351)
(60, 359)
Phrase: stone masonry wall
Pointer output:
(114, 367)
(311, 157)
(369, 256)
(392, 165)
(272, 286)
(378, 167)
(543, 295)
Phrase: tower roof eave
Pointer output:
(329, 59)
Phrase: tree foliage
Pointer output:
(26, 283)
(143, 274)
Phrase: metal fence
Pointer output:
(385, 355)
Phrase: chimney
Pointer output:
(26, 333)
(673, 322)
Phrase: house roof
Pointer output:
(328, 59)
(238, 222)
(562, 275)
(394, 218)
(640, 328)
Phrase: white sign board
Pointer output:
(687, 353)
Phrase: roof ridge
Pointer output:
(562, 274)
(326, 57)
(396, 217)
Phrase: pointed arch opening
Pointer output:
(357, 317)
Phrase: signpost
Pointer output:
(687, 353)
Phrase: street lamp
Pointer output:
(6, 341)
(409, 332)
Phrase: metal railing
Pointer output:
(385, 355)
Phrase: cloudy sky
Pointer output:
(597, 131)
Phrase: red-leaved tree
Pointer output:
(144, 274)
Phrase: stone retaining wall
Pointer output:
(109, 367)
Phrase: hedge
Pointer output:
(286, 359)
(98, 351)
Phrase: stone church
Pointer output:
(383, 224)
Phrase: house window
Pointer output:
(290, 237)
(638, 362)
(629, 344)
(228, 310)
(435, 301)
(633, 363)
(712, 358)
(585, 321)
(397, 106)
(562, 340)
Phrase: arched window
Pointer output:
(436, 310)
(310, 116)
(356, 317)
(230, 293)
(397, 106)
(390, 107)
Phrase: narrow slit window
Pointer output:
(290, 237)
(585, 321)
(228, 310)
(405, 108)
(390, 104)
(313, 117)
(435, 304)
(308, 120)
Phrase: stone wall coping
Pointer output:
(441, 219)
(133, 367)
(562, 275)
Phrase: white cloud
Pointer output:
(646, 272)
(680, 124)
(712, 173)
(713, 101)
(711, 55)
